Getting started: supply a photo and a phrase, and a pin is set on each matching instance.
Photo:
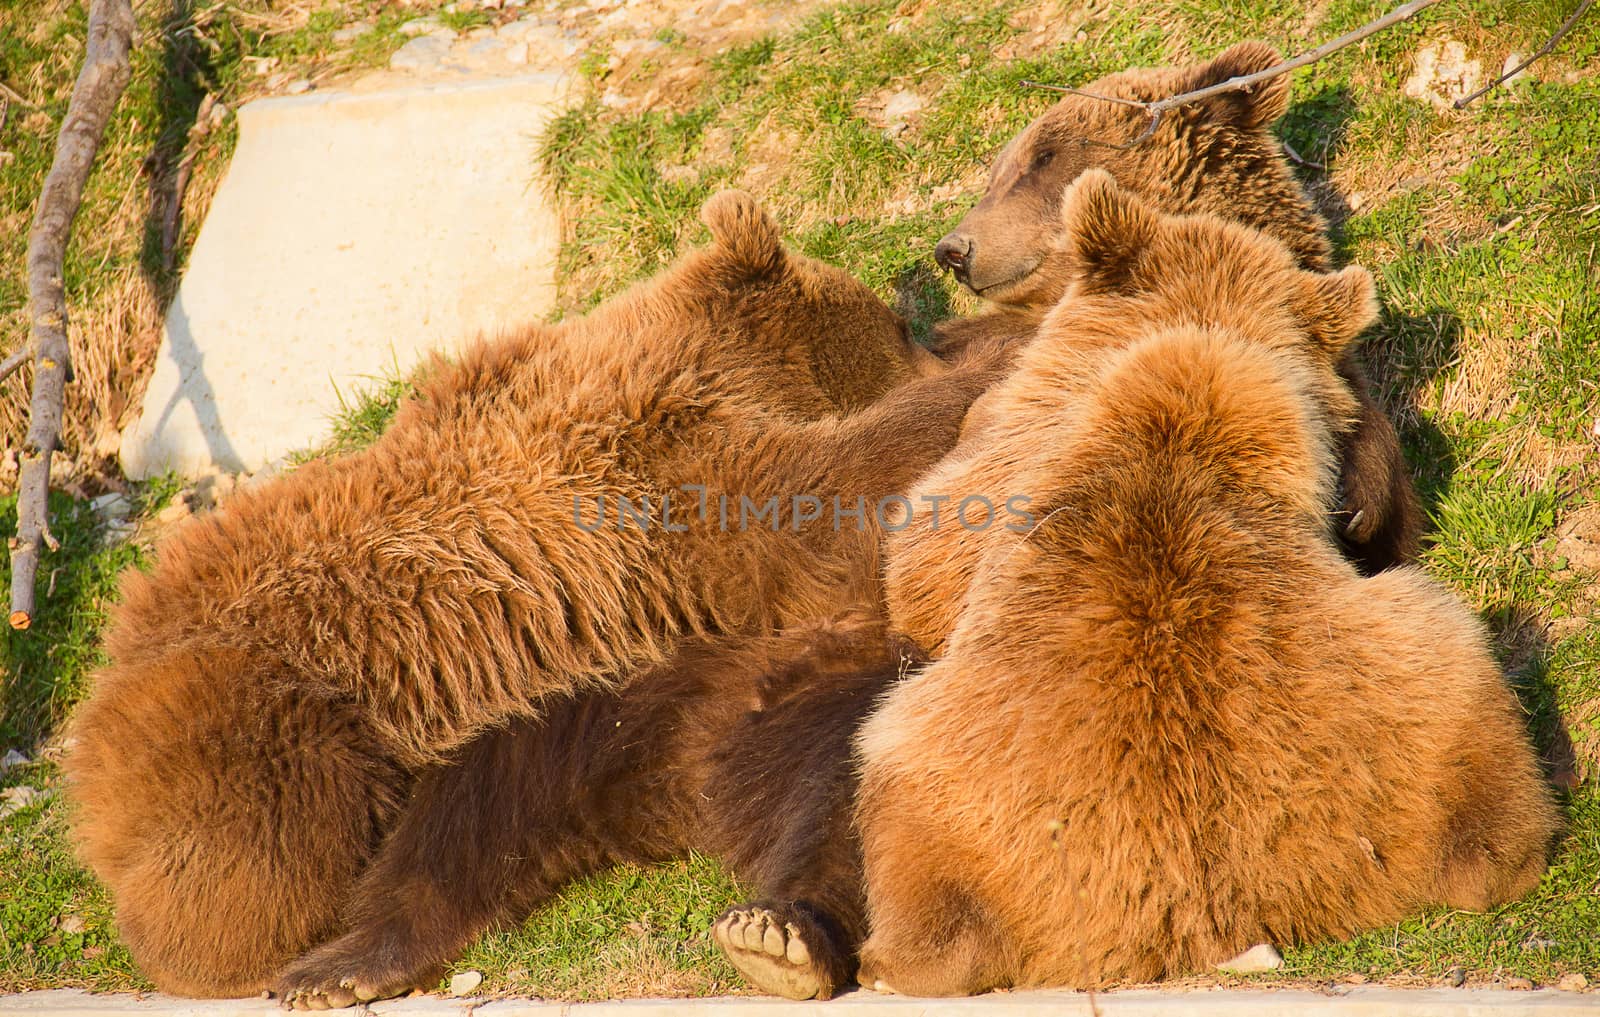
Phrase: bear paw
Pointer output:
(329, 978)
(771, 953)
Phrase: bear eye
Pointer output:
(1042, 160)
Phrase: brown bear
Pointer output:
(1172, 721)
(1217, 156)
(553, 514)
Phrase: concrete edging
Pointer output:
(1359, 1001)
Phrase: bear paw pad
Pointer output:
(771, 953)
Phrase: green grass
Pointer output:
(614, 935)
(55, 925)
(1478, 224)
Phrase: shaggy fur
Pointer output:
(295, 659)
(1172, 720)
(640, 775)
(1214, 156)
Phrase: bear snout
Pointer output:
(954, 253)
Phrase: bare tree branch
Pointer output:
(1155, 110)
(1549, 44)
(105, 74)
(173, 215)
(16, 96)
(13, 362)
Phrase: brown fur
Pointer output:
(1172, 721)
(636, 776)
(1215, 156)
(294, 659)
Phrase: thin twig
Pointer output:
(11, 363)
(1549, 44)
(1155, 110)
(172, 218)
(17, 97)
(105, 74)
(1300, 159)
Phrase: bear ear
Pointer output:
(1255, 107)
(739, 224)
(1338, 306)
(1107, 229)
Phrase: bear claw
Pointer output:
(768, 951)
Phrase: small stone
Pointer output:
(422, 53)
(902, 105)
(111, 506)
(517, 55)
(351, 32)
(628, 47)
(1442, 73)
(426, 26)
(15, 799)
(13, 758)
(300, 87)
(1456, 976)
(115, 534)
(482, 51)
(1512, 60)
(1259, 958)
(1574, 982)
(465, 982)
(1522, 984)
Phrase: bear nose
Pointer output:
(953, 253)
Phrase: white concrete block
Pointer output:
(352, 233)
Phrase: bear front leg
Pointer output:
(883, 449)
(1379, 521)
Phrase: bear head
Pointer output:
(1214, 155)
(1138, 273)
(803, 311)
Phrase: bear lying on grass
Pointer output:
(295, 661)
(1217, 156)
(644, 774)
(1172, 720)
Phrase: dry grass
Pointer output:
(113, 343)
